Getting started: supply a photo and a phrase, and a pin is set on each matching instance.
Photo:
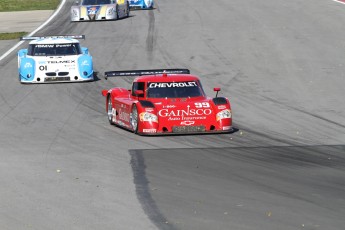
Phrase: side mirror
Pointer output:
(77, 2)
(104, 92)
(85, 50)
(216, 89)
(139, 93)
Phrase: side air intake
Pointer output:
(219, 101)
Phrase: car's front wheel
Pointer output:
(127, 13)
(134, 119)
(117, 12)
(111, 112)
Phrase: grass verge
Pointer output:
(23, 5)
(11, 36)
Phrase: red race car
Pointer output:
(168, 101)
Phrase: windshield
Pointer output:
(183, 89)
(54, 49)
(96, 2)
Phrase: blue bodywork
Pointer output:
(141, 4)
(27, 66)
(85, 65)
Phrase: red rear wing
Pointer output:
(128, 73)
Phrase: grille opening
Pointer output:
(51, 74)
(165, 129)
(63, 73)
(212, 127)
(76, 78)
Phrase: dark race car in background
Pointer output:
(168, 101)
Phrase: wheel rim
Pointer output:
(134, 118)
(110, 110)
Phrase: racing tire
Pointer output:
(117, 12)
(134, 119)
(127, 13)
(110, 111)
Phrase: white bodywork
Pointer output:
(47, 67)
(91, 10)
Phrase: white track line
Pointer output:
(33, 32)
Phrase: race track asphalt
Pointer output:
(280, 63)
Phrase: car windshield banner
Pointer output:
(172, 84)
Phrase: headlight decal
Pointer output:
(145, 116)
(226, 113)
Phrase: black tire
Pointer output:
(134, 118)
(127, 14)
(117, 12)
(110, 111)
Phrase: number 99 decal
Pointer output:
(202, 105)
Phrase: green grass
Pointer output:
(22, 5)
(10, 36)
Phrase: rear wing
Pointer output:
(57, 36)
(130, 73)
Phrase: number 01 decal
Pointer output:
(202, 105)
(42, 67)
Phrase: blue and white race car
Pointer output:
(141, 4)
(55, 59)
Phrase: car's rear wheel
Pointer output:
(127, 13)
(111, 112)
(117, 12)
(134, 119)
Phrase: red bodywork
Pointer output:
(167, 115)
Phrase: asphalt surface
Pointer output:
(22, 21)
(280, 63)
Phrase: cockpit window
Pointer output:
(137, 86)
(183, 89)
(54, 49)
(96, 2)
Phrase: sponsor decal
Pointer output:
(28, 65)
(63, 45)
(226, 127)
(221, 107)
(149, 130)
(92, 10)
(185, 114)
(85, 63)
(148, 109)
(172, 84)
(61, 62)
(187, 122)
(169, 106)
(182, 113)
(45, 46)
(124, 116)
